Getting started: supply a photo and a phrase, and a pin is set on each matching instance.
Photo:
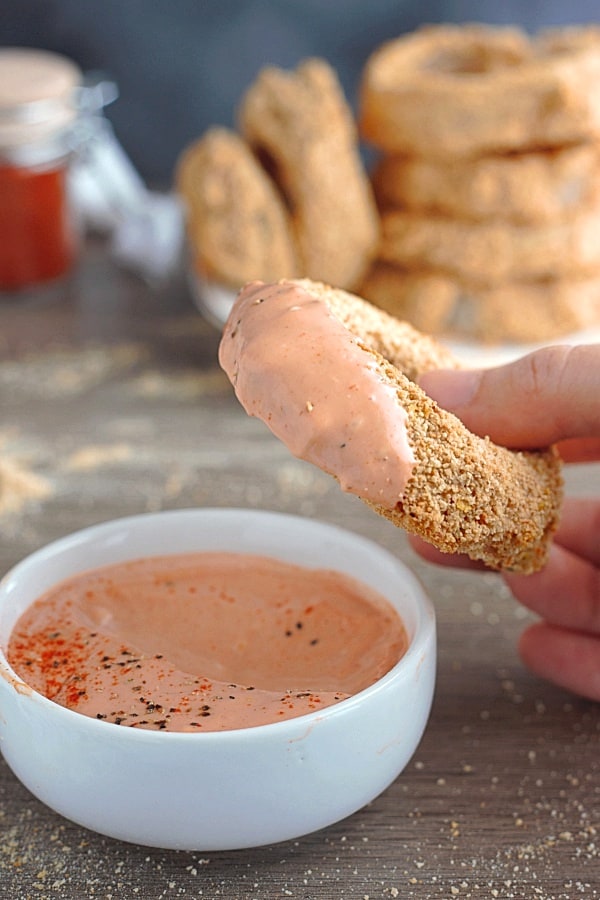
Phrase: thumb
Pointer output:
(547, 396)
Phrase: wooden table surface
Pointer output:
(112, 403)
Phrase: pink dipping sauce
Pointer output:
(294, 365)
(205, 642)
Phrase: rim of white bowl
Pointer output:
(425, 625)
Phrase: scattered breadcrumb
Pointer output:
(94, 455)
(19, 485)
(66, 372)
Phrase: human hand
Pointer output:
(550, 396)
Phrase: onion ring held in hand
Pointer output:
(327, 372)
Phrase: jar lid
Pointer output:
(38, 95)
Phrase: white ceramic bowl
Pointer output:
(231, 789)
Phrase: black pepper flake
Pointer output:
(298, 625)
(250, 688)
(118, 720)
(206, 713)
(314, 641)
(100, 715)
(288, 633)
(231, 697)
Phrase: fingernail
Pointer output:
(451, 389)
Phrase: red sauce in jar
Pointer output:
(37, 242)
(38, 117)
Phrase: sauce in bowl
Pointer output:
(207, 641)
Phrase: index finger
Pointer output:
(550, 395)
(580, 449)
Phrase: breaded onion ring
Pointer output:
(488, 253)
(511, 312)
(302, 128)
(454, 91)
(520, 187)
(326, 371)
(238, 227)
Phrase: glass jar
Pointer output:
(38, 113)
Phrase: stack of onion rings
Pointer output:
(489, 183)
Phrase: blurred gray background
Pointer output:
(182, 65)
